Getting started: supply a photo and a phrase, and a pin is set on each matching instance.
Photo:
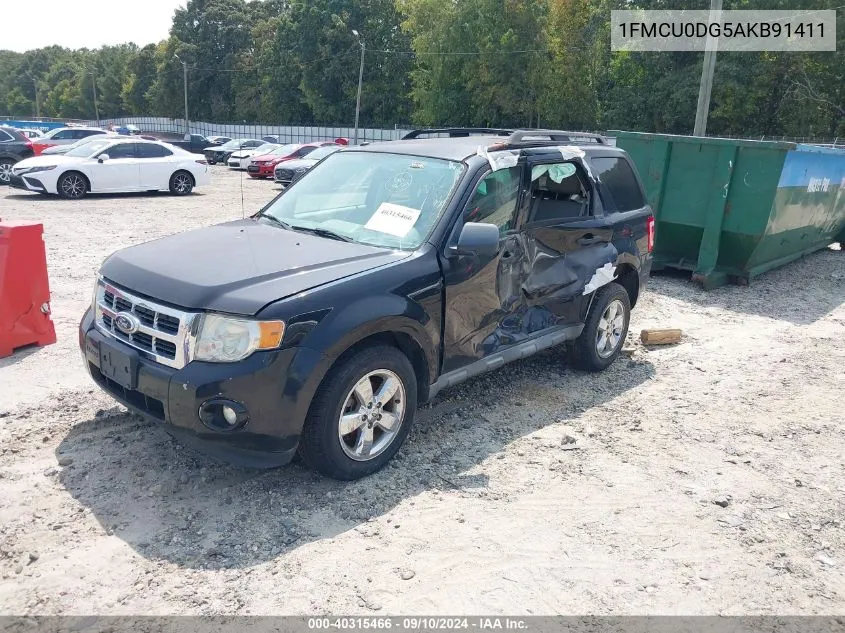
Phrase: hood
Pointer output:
(242, 153)
(267, 157)
(238, 267)
(56, 150)
(49, 159)
(298, 163)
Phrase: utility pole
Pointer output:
(707, 69)
(37, 101)
(185, 90)
(94, 91)
(360, 81)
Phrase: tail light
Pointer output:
(649, 227)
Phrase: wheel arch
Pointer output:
(75, 171)
(629, 278)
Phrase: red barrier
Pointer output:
(24, 289)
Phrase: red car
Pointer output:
(263, 166)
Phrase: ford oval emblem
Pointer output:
(126, 322)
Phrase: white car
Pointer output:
(113, 165)
(29, 132)
(240, 159)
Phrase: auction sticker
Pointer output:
(393, 219)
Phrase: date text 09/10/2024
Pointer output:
(417, 623)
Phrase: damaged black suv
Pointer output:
(386, 273)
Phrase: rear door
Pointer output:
(154, 165)
(482, 293)
(567, 238)
(119, 173)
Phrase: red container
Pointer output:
(24, 289)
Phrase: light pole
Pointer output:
(185, 88)
(360, 80)
(94, 92)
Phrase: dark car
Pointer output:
(285, 173)
(221, 153)
(386, 273)
(14, 146)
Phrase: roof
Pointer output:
(462, 147)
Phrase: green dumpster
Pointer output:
(731, 209)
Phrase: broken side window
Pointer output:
(557, 193)
(494, 200)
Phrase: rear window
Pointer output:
(619, 183)
(5, 136)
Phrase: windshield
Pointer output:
(234, 144)
(87, 149)
(264, 149)
(284, 150)
(388, 200)
(322, 152)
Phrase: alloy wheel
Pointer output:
(610, 327)
(73, 186)
(372, 415)
(182, 183)
(5, 172)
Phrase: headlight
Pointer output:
(226, 340)
(32, 170)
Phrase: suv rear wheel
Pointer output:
(5, 170)
(605, 329)
(361, 414)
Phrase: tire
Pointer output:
(323, 447)
(181, 183)
(5, 170)
(587, 350)
(72, 185)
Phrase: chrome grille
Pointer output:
(163, 333)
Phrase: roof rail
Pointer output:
(455, 132)
(533, 138)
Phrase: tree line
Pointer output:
(537, 63)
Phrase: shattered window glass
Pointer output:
(557, 193)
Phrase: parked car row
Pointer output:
(261, 160)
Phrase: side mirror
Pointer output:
(102, 157)
(478, 239)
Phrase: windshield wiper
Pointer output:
(277, 221)
(321, 232)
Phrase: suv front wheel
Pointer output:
(361, 414)
(605, 329)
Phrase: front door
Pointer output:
(119, 172)
(482, 293)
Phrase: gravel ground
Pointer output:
(704, 478)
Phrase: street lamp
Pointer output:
(185, 89)
(360, 80)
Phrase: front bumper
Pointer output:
(261, 171)
(27, 183)
(276, 389)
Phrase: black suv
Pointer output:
(14, 146)
(386, 273)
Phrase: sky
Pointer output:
(84, 23)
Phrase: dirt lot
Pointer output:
(485, 511)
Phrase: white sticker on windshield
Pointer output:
(393, 219)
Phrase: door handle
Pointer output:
(590, 239)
